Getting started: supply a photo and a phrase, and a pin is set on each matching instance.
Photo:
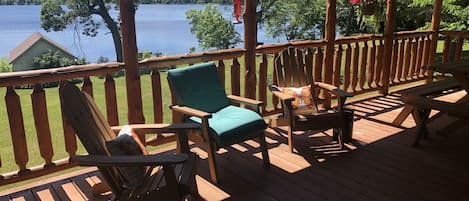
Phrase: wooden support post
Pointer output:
(329, 51)
(132, 74)
(250, 43)
(388, 45)
(436, 19)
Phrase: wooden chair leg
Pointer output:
(341, 137)
(265, 152)
(211, 163)
(290, 139)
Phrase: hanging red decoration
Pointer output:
(237, 11)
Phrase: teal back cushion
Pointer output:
(198, 87)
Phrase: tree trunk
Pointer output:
(112, 26)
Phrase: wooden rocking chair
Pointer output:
(298, 94)
(162, 176)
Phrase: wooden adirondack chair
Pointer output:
(298, 94)
(165, 176)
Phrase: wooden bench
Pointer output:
(431, 90)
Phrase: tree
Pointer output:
(455, 13)
(4, 66)
(55, 18)
(54, 59)
(295, 19)
(211, 29)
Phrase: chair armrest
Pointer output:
(158, 128)
(246, 101)
(190, 111)
(134, 160)
(333, 89)
(283, 96)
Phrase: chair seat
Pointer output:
(233, 124)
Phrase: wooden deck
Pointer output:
(380, 165)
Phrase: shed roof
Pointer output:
(29, 42)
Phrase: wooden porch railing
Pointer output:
(453, 46)
(357, 68)
(21, 140)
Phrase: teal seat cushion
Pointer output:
(199, 87)
(233, 124)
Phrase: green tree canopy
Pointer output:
(4, 66)
(211, 29)
(54, 59)
(55, 18)
(455, 13)
(295, 19)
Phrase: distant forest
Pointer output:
(38, 2)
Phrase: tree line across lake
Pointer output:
(38, 2)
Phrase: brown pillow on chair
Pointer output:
(128, 143)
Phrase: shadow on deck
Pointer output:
(380, 164)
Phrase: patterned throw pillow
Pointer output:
(303, 103)
(128, 143)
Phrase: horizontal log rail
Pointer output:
(357, 68)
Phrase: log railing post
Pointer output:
(132, 73)
(436, 19)
(329, 49)
(388, 46)
(250, 42)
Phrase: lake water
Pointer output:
(160, 28)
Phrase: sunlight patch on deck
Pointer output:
(370, 131)
(210, 191)
(289, 162)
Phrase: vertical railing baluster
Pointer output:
(407, 58)
(317, 69)
(363, 65)
(371, 64)
(413, 61)
(458, 49)
(235, 78)
(275, 100)
(337, 65)
(348, 62)
(400, 64)
(69, 134)
(41, 121)
(111, 100)
(87, 86)
(420, 50)
(157, 96)
(262, 93)
(18, 136)
(394, 61)
(379, 63)
(446, 48)
(221, 72)
(356, 56)
(426, 50)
